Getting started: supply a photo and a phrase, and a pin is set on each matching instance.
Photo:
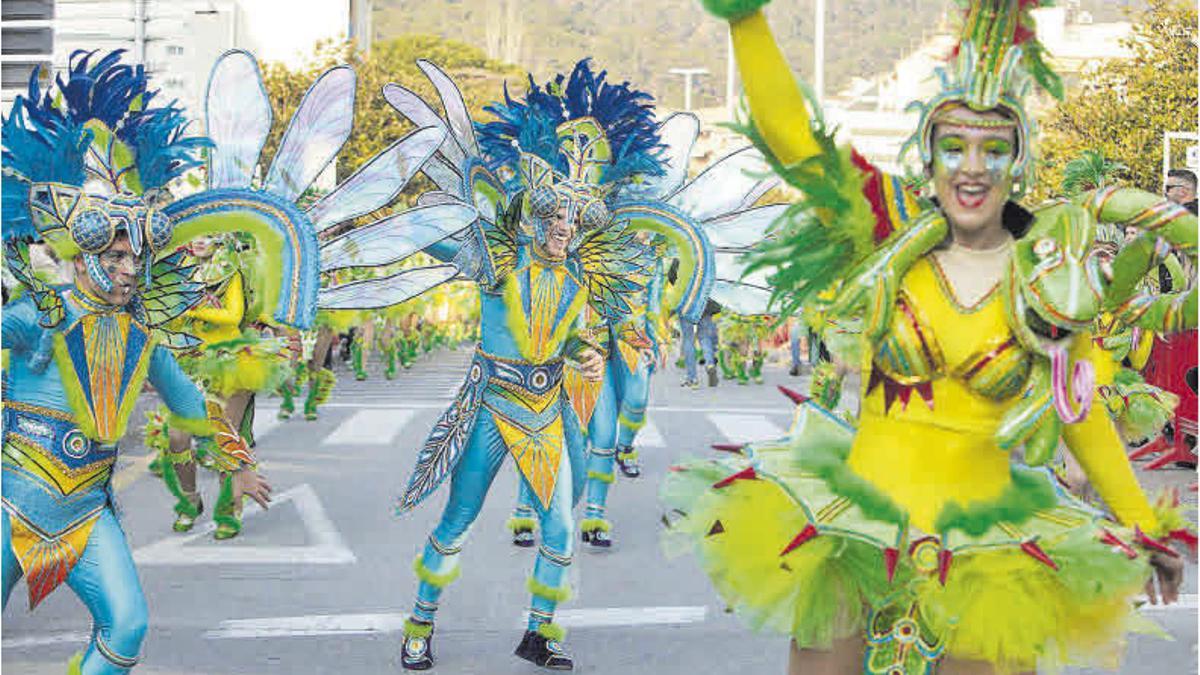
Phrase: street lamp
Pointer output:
(688, 74)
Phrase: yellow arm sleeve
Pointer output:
(777, 105)
(1100, 452)
(1139, 352)
(233, 306)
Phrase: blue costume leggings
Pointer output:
(106, 582)
(469, 484)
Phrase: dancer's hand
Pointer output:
(1169, 570)
(247, 482)
(591, 365)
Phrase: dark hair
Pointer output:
(1186, 174)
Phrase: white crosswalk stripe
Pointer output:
(743, 428)
(649, 436)
(370, 427)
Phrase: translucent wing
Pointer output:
(395, 238)
(379, 181)
(742, 298)
(437, 197)
(457, 115)
(743, 230)
(733, 183)
(416, 110)
(385, 291)
(238, 119)
(317, 131)
(678, 134)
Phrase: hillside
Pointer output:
(641, 40)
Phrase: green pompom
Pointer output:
(414, 629)
(552, 631)
(516, 524)
(733, 10)
(548, 592)
(594, 524)
(433, 578)
(602, 477)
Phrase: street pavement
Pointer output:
(321, 582)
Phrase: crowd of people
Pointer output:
(974, 511)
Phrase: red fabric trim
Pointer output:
(873, 191)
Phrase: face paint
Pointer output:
(997, 158)
(949, 154)
(98, 273)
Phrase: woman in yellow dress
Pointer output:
(910, 540)
(233, 363)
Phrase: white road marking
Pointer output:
(1186, 601)
(308, 626)
(370, 427)
(743, 428)
(349, 401)
(29, 641)
(649, 436)
(627, 616)
(326, 547)
(362, 624)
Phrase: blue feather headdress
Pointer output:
(66, 135)
(534, 125)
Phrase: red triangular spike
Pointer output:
(1111, 539)
(1185, 536)
(676, 469)
(905, 392)
(795, 396)
(945, 557)
(717, 528)
(806, 534)
(746, 473)
(891, 556)
(1034, 551)
(925, 389)
(889, 395)
(1152, 544)
(876, 378)
(728, 447)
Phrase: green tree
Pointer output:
(1124, 107)
(376, 123)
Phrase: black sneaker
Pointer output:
(628, 463)
(417, 653)
(543, 652)
(523, 538)
(598, 539)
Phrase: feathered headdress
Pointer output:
(994, 65)
(79, 159)
(576, 140)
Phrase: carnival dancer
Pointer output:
(233, 363)
(908, 542)
(81, 352)
(552, 208)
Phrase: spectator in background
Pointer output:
(706, 332)
(1181, 188)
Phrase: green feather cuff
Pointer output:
(190, 425)
(433, 578)
(552, 631)
(594, 524)
(517, 524)
(602, 477)
(413, 629)
(548, 592)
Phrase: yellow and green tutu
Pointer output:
(248, 363)
(797, 543)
